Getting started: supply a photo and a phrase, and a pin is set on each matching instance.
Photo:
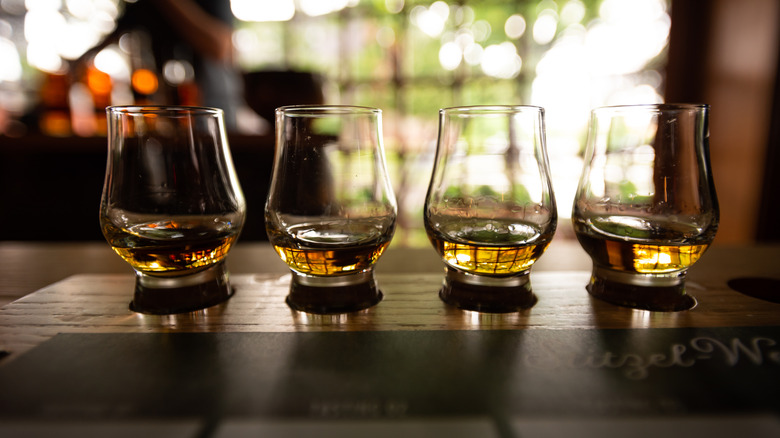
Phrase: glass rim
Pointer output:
(325, 110)
(653, 107)
(490, 109)
(163, 109)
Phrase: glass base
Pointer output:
(167, 295)
(662, 293)
(487, 294)
(329, 295)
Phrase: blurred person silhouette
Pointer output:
(185, 39)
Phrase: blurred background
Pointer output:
(63, 61)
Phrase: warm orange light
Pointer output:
(55, 123)
(144, 81)
(188, 94)
(98, 82)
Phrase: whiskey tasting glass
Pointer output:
(645, 208)
(490, 209)
(331, 210)
(172, 206)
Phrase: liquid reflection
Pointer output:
(316, 319)
(482, 320)
(609, 316)
(640, 318)
(200, 320)
(647, 319)
(359, 320)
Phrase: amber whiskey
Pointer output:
(641, 246)
(493, 247)
(339, 248)
(171, 247)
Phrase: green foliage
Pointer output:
(485, 91)
(326, 126)
(628, 191)
(520, 194)
(425, 101)
(374, 95)
(485, 191)
(627, 188)
(453, 192)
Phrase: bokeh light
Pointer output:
(394, 6)
(112, 61)
(263, 10)
(595, 65)
(572, 12)
(545, 26)
(144, 81)
(515, 26)
(10, 66)
(450, 56)
(501, 61)
(568, 56)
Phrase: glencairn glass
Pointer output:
(645, 208)
(331, 211)
(490, 210)
(172, 205)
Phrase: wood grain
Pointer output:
(28, 266)
(98, 303)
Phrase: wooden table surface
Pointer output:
(28, 266)
(93, 288)
(75, 361)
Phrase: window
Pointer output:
(411, 58)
